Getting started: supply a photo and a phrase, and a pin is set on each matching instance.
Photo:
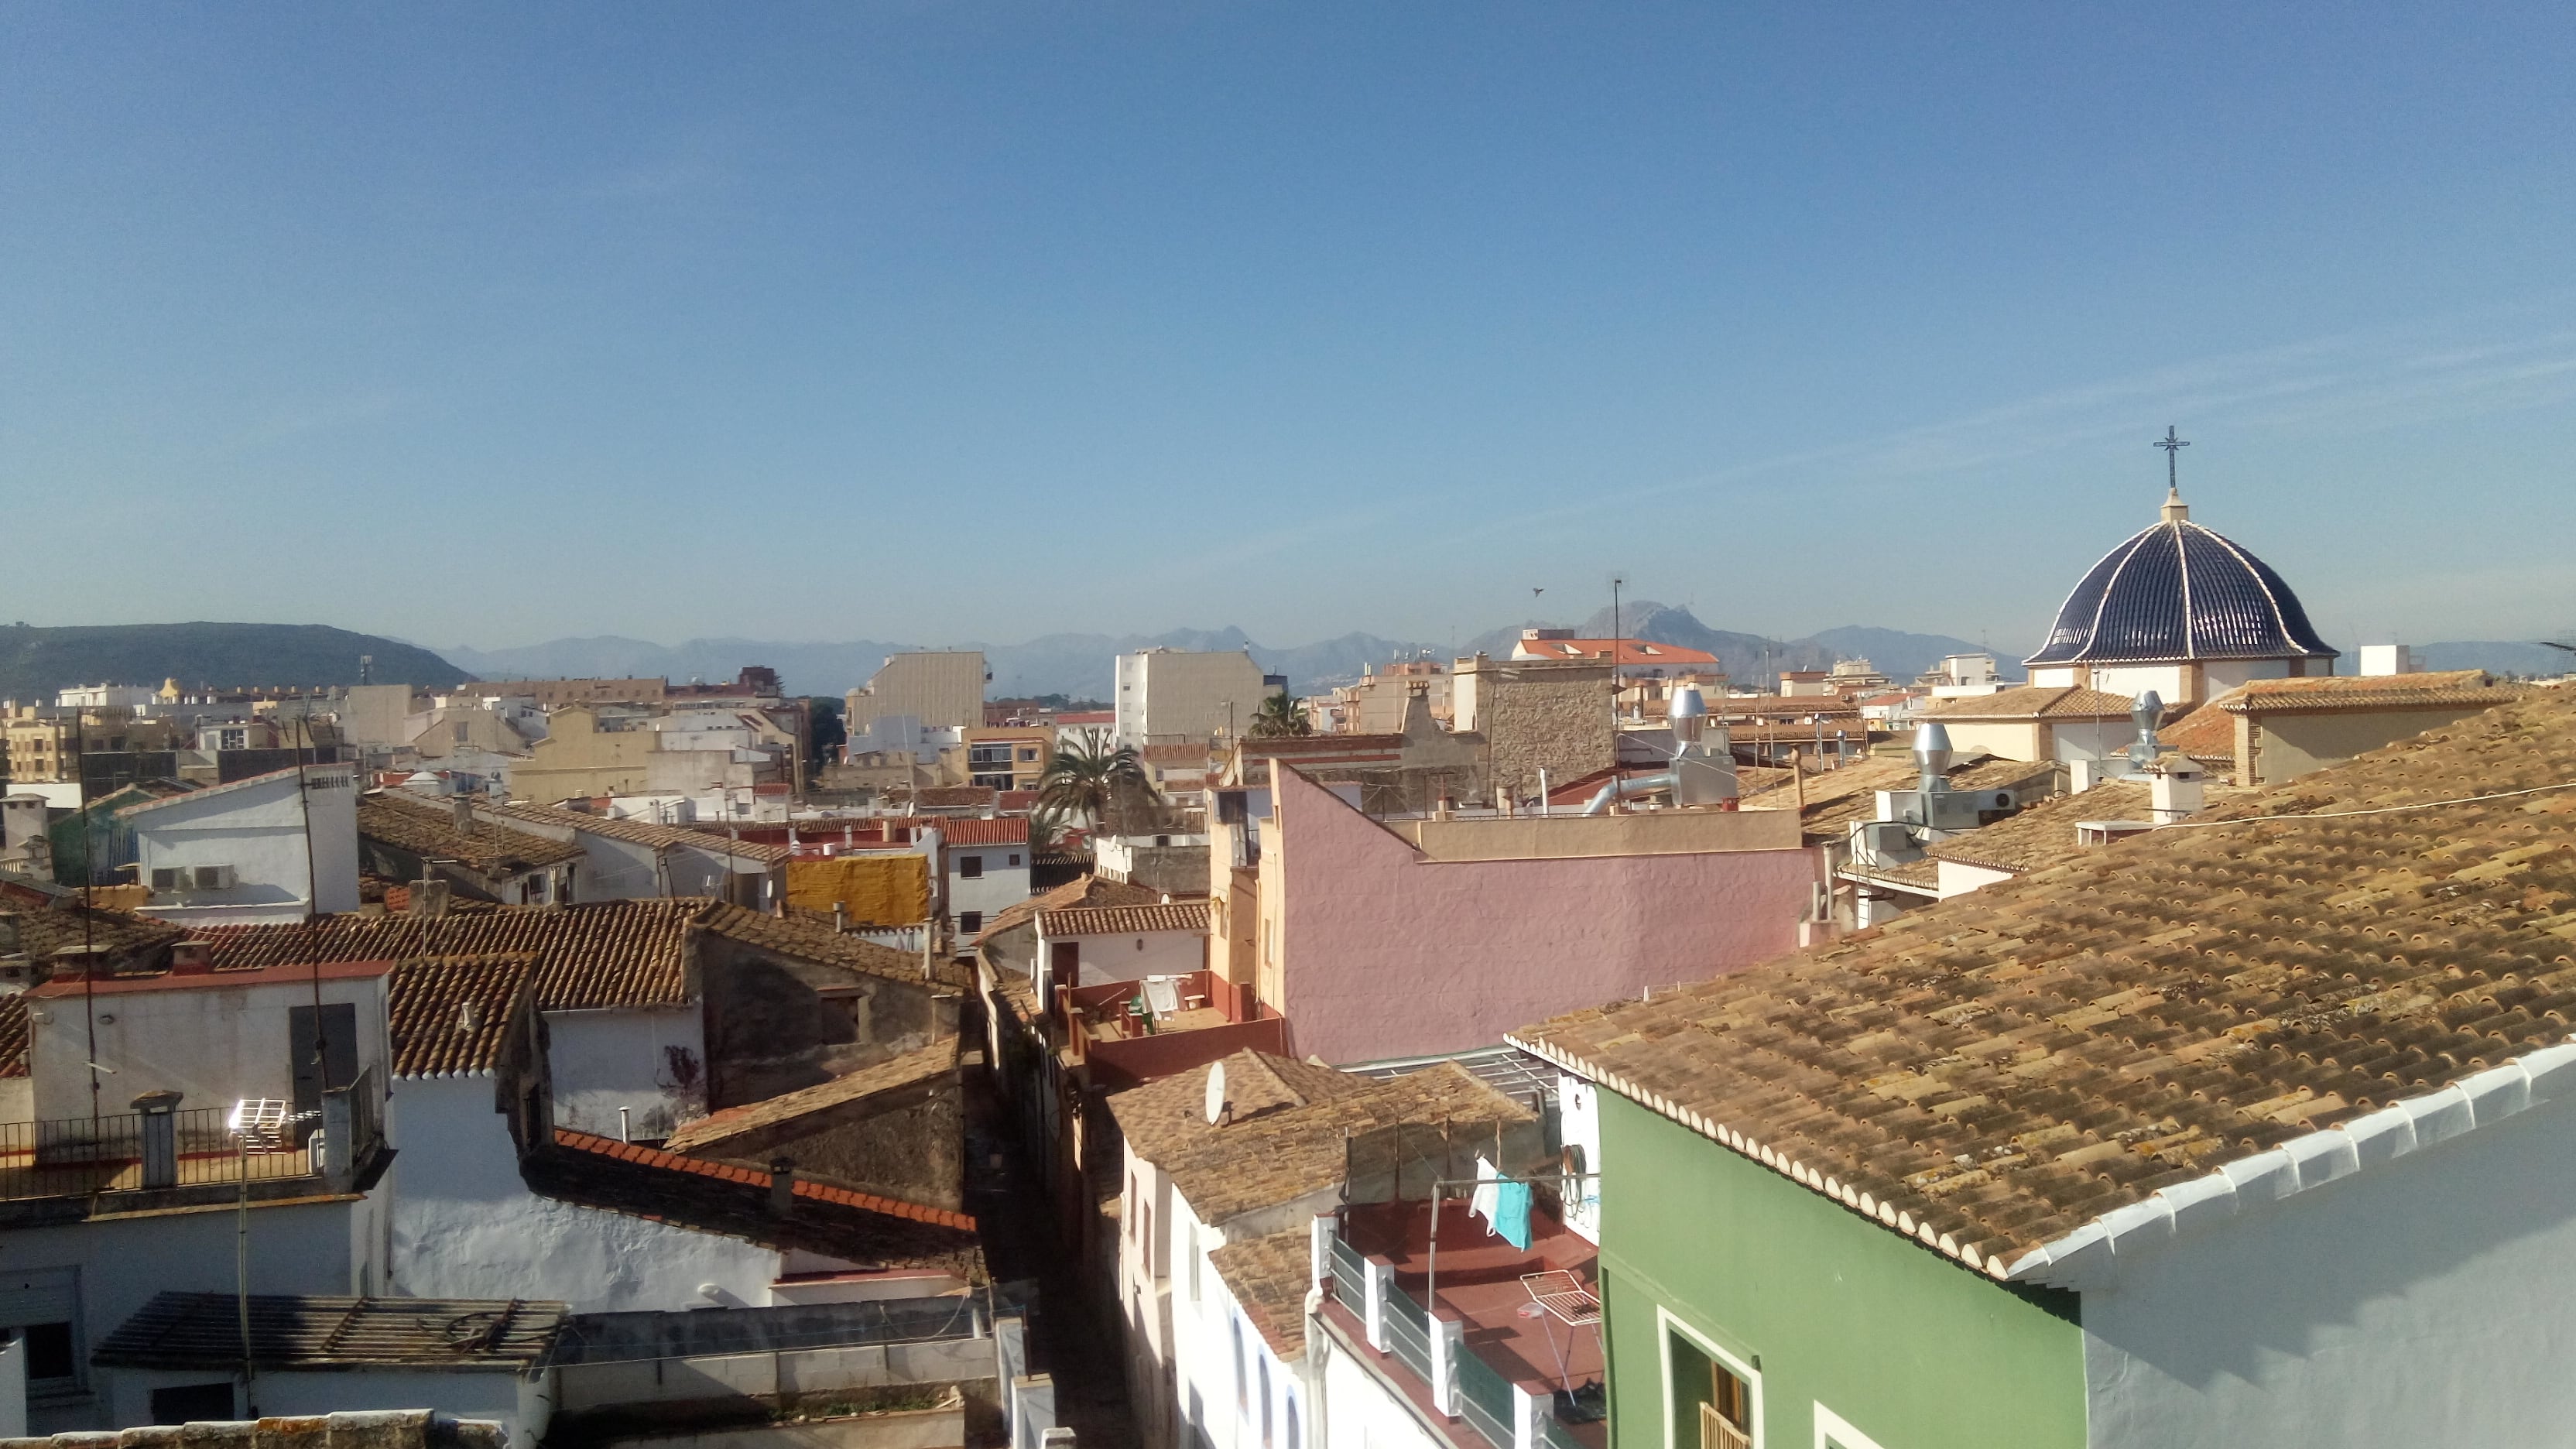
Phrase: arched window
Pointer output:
(1293, 1441)
(1264, 1364)
(1242, 1380)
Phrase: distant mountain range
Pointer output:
(36, 663)
(1081, 664)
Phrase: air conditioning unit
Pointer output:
(165, 878)
(212, 878)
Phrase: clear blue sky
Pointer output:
(941, 322)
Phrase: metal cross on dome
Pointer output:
(2173, 447)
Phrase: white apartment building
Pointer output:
(1176, 696)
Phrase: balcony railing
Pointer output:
(1408, 1332)
(83, 1157)
(1485, 1400)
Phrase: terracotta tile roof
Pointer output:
(1175, 754)
(1015, 802)
(637, 832)
(203, 1331)
(1124, 920)
(244, 783)
(2035, 701)
(810, 940)
(2367, 692)
(1274, 746)
(970, 830)
(1269, 1278)
(1162, 1117)
(1827, 707)
(1019, 994)
(1631, 651)
(608, 953)
(716, 1197)
(2207, 734)
(1995, 1071)
(947, 797)
(710, 1136)
(2044, 834)
(451, 1016)
(1285, 1136)
(41, 933)
(430, 832)
(1088, 891)
(13, 1035)
(1836, 798)
(1920, 875)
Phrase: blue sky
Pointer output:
(943, 322)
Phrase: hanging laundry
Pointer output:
(1481, 1204)
(1512, 1213)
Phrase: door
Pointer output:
(333, 1065)
(1064, 963)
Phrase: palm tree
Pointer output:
(1090, 780)
(1279, 715)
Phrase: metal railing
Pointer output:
(1408, 1332)
(1556, 1434)
(1350, 1273)
(85, 1156)
(1485, 1399)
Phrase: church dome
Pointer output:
(2178, 591)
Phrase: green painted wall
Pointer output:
(1908, 1347)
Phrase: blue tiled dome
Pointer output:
(2179, 591)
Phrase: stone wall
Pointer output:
(1537, 715)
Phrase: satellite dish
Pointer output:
(1215, 1092)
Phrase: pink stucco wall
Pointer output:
(1386, 955)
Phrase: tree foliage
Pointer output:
(1280, 716)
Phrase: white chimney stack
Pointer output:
(2386, 659)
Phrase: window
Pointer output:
(1712, 1395)
(1015, 859)
(49, 1352)
(1242, 1380)
(970, 867)
(970, 921)
(193, 1404)
(42, 1305)
(1028, 757)
(1293, 1442)
(1263, 1363)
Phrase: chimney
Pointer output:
(840, 919)
(429, 899)
(11, 940)
(464, 814)
(1932, 755)
(782, 1186)
(188, 956)
(469, 1017)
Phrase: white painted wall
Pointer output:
(619, 1057)
(214, 1043)
(1361, 1412)
(466, 1226)
(1128, 958)
(118, 1263)
(259, 830)
(1221, 1366)
(520, 1404)
(1002, 885)
(1578, 1105)
(1957, 880)
(2422, 1300)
